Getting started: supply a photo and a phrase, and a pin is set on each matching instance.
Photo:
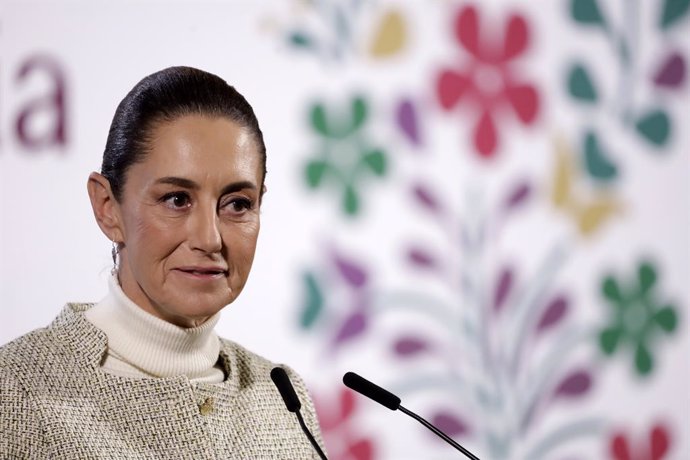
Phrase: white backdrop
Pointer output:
(52, 252)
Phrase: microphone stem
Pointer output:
(440, 433)
(310, 436)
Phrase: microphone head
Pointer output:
(371, 390)
(285, 388)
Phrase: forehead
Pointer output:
(201, 148)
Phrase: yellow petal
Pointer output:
(563, 176)
(592, 215)
(390, 37)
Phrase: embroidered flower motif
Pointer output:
(589, 207)
(341, 433)
(487, 82)
(636, 317)
(659, 441)
(652, 123)
(346, 280)
(346, 156)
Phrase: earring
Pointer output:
(114, 252)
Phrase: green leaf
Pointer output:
(350, 200)
(319, 121)
(643, 359)
(316, 170)
(580, 84)
(609, 338)
(673, 10)
(655, 126)
(611, 291)
(666, 318)
(300, 39)
(597, 163)
(313, 305)
(376, 160)
(359, 112)
(646, 275)
(587, 12)
(624, 51)
(341, 26)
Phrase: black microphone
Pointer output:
(391, 401)
(287, 392)
(371, 390)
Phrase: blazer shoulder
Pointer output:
(24, 350)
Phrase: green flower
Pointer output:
(637, 320)
(345, 156)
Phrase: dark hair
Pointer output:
(165, 96)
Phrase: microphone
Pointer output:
(287, 392)
(391, 401)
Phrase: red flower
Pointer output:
(659, 441)
(487, 82)
(339, 430)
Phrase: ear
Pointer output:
(105, 207)
(263, 192)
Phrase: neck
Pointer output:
(141, 343)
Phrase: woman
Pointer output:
(141, 374)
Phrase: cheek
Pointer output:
(241, 245)
(150, 236)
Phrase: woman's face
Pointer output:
(190, 219)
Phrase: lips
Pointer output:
(203, 271)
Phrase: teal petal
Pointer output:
(611, 290)
(646, 275)
(313, 305)
(644, 363)
(341, 25)
(300, 39)
(316, 170)
(673, 10)
(580, 84)
(598, 162)
(376, 161)
(318, 120)
(666, 318)
(350, 200)
(655, 126)
(587, 12)
(609, 339)
(624, 51)
(359, 112)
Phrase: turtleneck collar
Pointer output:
(145, 345)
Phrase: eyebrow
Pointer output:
(190, 184)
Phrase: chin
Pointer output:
(202, 310)
(200, 307)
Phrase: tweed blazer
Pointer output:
(56, 402)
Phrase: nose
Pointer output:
(205, 231)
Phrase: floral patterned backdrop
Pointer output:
(502, 302)
(482, 206)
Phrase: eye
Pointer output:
(236, 205)
(177, 200)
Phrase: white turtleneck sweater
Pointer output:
(142, 345)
